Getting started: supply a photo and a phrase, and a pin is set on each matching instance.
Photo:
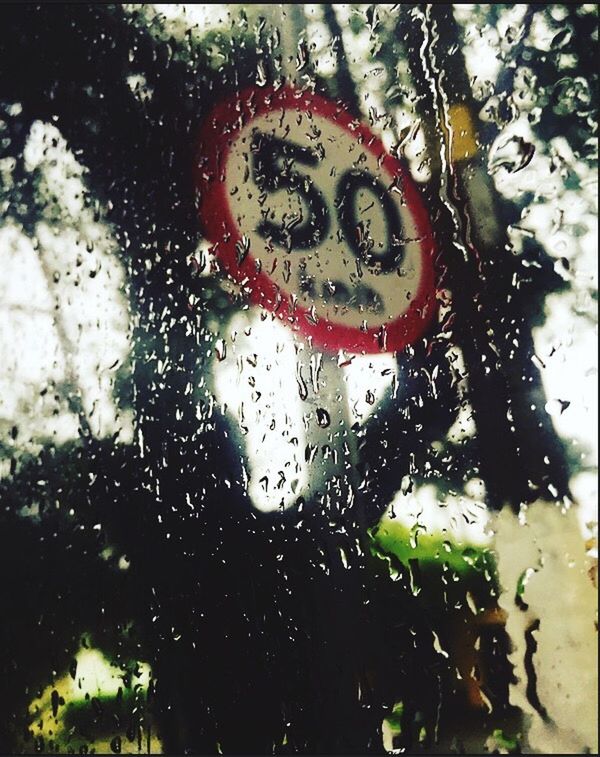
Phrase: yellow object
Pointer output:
(462, 139)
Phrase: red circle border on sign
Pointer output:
(217, 134)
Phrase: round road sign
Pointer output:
(315, 220)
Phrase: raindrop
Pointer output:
(261, 74)
(302, 388)
(556, 407)
(562, 38)
(242, 247)
(323, 418)
(220, 349)
(513, 155)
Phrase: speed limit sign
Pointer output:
(307, 211)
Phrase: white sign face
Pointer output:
(307, 210)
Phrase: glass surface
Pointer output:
(298, 379)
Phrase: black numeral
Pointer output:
(273, 161)
(356, 232)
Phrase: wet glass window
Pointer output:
(298, 379)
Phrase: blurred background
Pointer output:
(216, 538)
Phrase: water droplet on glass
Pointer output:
(323, 418)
